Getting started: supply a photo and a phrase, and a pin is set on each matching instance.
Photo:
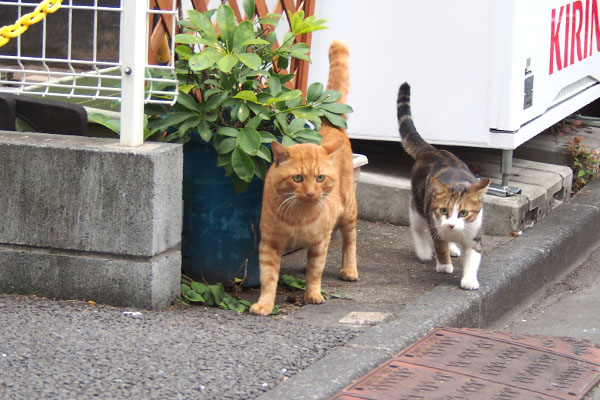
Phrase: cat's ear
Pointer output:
(280, 152)
(438, 186)
(480, 187)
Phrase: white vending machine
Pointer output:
(483, 73)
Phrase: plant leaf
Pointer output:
(267, 137)
(171, 119)
(249, 9)
(214, 102)
(242, 164)
(300, 51)
(246, 95)
(285, 96)
(188, 101)
(202, 22)
(274, 86)
(337, 108)
(287, 141)
(330, 96)
(228, 131)
(239, 185)
(187, 88)
(335, 119)
(227, 62)
(315, 90)
(226, 146)
(310, 136)
(310, 114)
(249, 140)
(192, 295)
(283, 62)
(264, 153)
(224, 160)
(187, 38)
(111, 123)
(184, 52)
(260, 167)
(226, 24)
(243, 112)
(297, 124)
(204, 131)
(242, 33)
(187, 125)
(251, 60)
(204, 60)
(217, 293)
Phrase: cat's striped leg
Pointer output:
(418, 229)
(442, 256)
(270, 264)
(317, 255)
(349, 271)
(471, 262)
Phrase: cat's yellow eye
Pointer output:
(320, 178)
(444, 211)
(297, 178)
(463, 213)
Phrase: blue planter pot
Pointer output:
(217, 222)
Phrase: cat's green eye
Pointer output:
(297, 178)
(444, 211)
(463, 213)
(320, 178)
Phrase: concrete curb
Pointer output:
(509, 275)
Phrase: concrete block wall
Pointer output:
(85, 218)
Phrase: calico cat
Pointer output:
(309, 189)
(446, 198)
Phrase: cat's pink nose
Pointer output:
(310, 195)
(451, 226)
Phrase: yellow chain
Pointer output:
(12, 31)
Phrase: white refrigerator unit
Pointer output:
(483, 73)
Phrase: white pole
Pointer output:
(134, 53)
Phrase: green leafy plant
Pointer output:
(233, 92)
(211, 295)
(298, 283)
(585, 162)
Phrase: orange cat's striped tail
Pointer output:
(339, 69)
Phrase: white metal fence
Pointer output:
(90, 52)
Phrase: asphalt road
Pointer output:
(73, 350)
(568, 307)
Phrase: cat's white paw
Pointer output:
(424, 252)
(444, 268)
(454, 250)
(469, 283)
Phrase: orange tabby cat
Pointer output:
(309, 189)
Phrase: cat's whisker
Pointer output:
(286, 205)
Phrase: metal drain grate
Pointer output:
(477, 364)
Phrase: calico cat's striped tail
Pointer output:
(411, 140)
(339, 69)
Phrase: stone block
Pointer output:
(140, 282)
(89, 219)
(90, 194)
